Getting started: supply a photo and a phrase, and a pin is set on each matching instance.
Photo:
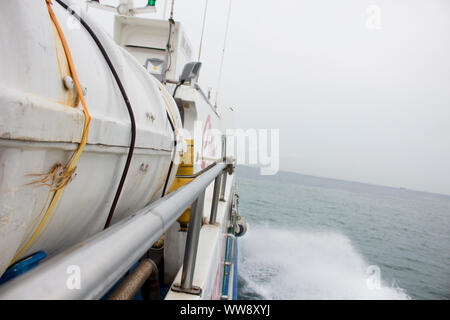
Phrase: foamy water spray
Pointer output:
(295, 264)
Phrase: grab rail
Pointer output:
(89, 269)
(230, 265)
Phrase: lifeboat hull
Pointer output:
(41, 125)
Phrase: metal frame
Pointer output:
(230, 264)
(190, 252)
(224, 184)
(215, 200)
(224, 175)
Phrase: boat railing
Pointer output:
(229, 268)
(91, 268)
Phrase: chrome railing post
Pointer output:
(224, 185)
(224, 178)
(215, 199)
(190, 251)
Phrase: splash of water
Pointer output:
(296, 264)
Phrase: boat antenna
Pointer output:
(203, 31)
(223, 53)
(171, 9)
(168, 58)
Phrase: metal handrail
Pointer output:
(233, 238)
(215, 199)
(104, 258)
(230, 264)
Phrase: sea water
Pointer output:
(318, 238)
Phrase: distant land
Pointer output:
(323, 182)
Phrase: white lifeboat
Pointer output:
(41, 126)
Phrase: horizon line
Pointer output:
(352, 181)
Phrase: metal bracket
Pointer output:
(194, 290)
(230, 264)
(230, 165)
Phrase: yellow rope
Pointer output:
(59, 176)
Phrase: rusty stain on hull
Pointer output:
(70, 98)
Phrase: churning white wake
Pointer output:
(294, 264)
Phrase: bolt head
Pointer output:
(68, 82)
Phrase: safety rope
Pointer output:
(59, 177)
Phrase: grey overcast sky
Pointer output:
(351, 102)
